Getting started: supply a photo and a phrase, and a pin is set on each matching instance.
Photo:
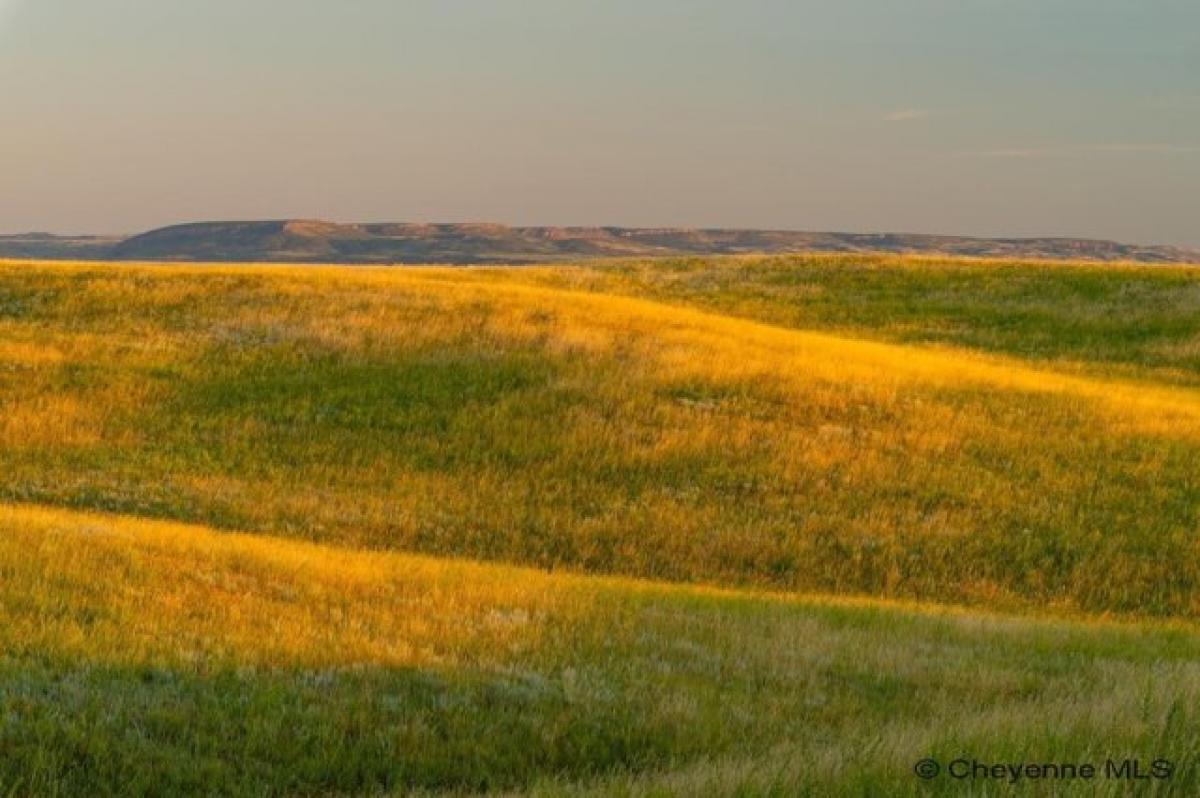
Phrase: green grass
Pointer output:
(442, 413)
(1107, 319)
(144, 659)
(810, 457)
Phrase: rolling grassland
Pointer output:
(152, 657)
(757, 526)
(1109, 320)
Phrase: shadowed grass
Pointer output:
(150, 657)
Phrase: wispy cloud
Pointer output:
(1013, 153)
(1143, 148)
(1083, 149)
(1175, 101)
(906, 115)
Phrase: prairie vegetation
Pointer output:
(819, 454)
(452, 413)
(1110, 320)
(147, 657)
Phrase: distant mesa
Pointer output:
(317, 241)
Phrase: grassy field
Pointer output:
(1108, 320)
(159, 658)
(270, 530)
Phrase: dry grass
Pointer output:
(162, 658)
(447, 412)
(322, 428)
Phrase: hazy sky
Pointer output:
(1013, 117)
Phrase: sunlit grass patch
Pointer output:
(1119, 319)
(169, 658)
(462, 413)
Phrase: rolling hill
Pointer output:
(46, 246)
(463, 413)
(732, 526)
(156, 658)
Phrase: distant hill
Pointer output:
(311, 241)
(44, 246)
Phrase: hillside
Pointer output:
(137, 659)
(468, 413)
(306, 241)
(45, 246)
(635, 527)
(1111, 321)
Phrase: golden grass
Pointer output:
(719, 692)
(697, 343)
(807, 509)
(450, 412)
(163, 592)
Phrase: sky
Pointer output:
(975, 117)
